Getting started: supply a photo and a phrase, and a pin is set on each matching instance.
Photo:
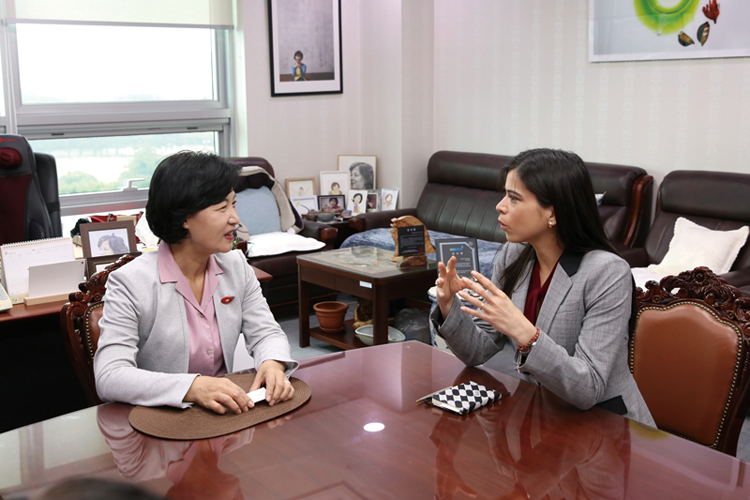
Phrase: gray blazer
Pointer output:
(144, 348)
(582, 351)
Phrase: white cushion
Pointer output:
(642, 275)
(277, 243)
(693, 245)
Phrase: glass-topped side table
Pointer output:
(365, 272)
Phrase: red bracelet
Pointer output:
(530, 343)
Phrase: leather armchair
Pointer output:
(715, 200)
(282, 289)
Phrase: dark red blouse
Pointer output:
(536, 294)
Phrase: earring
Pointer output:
(550, 224)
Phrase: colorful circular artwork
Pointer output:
(666, 19)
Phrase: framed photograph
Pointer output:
(305, 47)
(96, 264)
(646, 30)
(304, 204)
(388, 199)
(362, 170)
(373, 201)
(300, 187)
(108, 238)
(331, 202)
(357, 202)
(334, 182)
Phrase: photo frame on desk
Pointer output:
(108, 238)
(96, 264)
(304, 186)
(363, 170)
(305, 47)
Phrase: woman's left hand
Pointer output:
(278, 387)
(497, 309)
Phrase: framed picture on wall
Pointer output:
(300, 187)
(305, 47)
(108, 238)
(334, 182)
(362, 170)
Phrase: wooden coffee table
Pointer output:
(365, 272)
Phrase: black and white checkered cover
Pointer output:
(465, 397)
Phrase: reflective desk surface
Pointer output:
(529, 445)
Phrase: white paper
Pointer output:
(257, 395)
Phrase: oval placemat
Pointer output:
(197, 422)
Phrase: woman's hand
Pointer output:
(218, 394)
(448, 284)
(278, 387)
(497, 309)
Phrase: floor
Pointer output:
(290, 325)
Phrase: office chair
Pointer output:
(29, 198)
(689, 354)
(79, 319)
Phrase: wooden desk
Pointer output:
(365, 272)
(531, 443)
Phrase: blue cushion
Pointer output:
(258, 211)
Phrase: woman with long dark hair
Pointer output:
(559, 294)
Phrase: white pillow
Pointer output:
(642, 275)
(277, 243)
(693, 245)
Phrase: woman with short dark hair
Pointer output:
(172, 317)
(361, 176)
(559, 293)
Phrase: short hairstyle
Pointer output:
(365, 170)
(183, 184)
(299, 53)
(355, 197)
(334, 199)
(335, 184)
(115, 243)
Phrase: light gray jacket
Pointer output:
(582, 351)
(144, 348)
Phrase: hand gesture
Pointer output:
(448, 284)
(497, 309)
(278, 387)
(218, 394)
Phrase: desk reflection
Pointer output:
(523, 433)
(191, 466)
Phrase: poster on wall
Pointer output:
(636, 30)
(305, 47)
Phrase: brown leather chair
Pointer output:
(689, 354)
(715, 200)
(79, 319)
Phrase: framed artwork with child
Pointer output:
(305, 46)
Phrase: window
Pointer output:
(112, 95)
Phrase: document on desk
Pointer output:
(257, 395)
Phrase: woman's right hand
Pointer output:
(218, 394)
(447, 284)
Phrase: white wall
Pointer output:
(299, 135)
(512, 75)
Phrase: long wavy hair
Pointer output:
(558, 179)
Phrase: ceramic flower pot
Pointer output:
(331, 315)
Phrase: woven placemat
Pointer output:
(198, 422)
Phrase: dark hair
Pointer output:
(355, 196)
(365, 170)
(561, 180)
(96, 489)
(298, 53)
(334, 199)
(115, 243)
(185, 183)
(335, 184)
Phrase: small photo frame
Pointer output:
(333, 182)
(96, 264)
(362, 170)
(304, 204)
(108, 238)
(300, 187)
(331, 202)
(357, 202)
(305, 46)
(373, 201)
(388, 199)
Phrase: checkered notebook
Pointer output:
(462, 398)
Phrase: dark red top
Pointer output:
(536, 294)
